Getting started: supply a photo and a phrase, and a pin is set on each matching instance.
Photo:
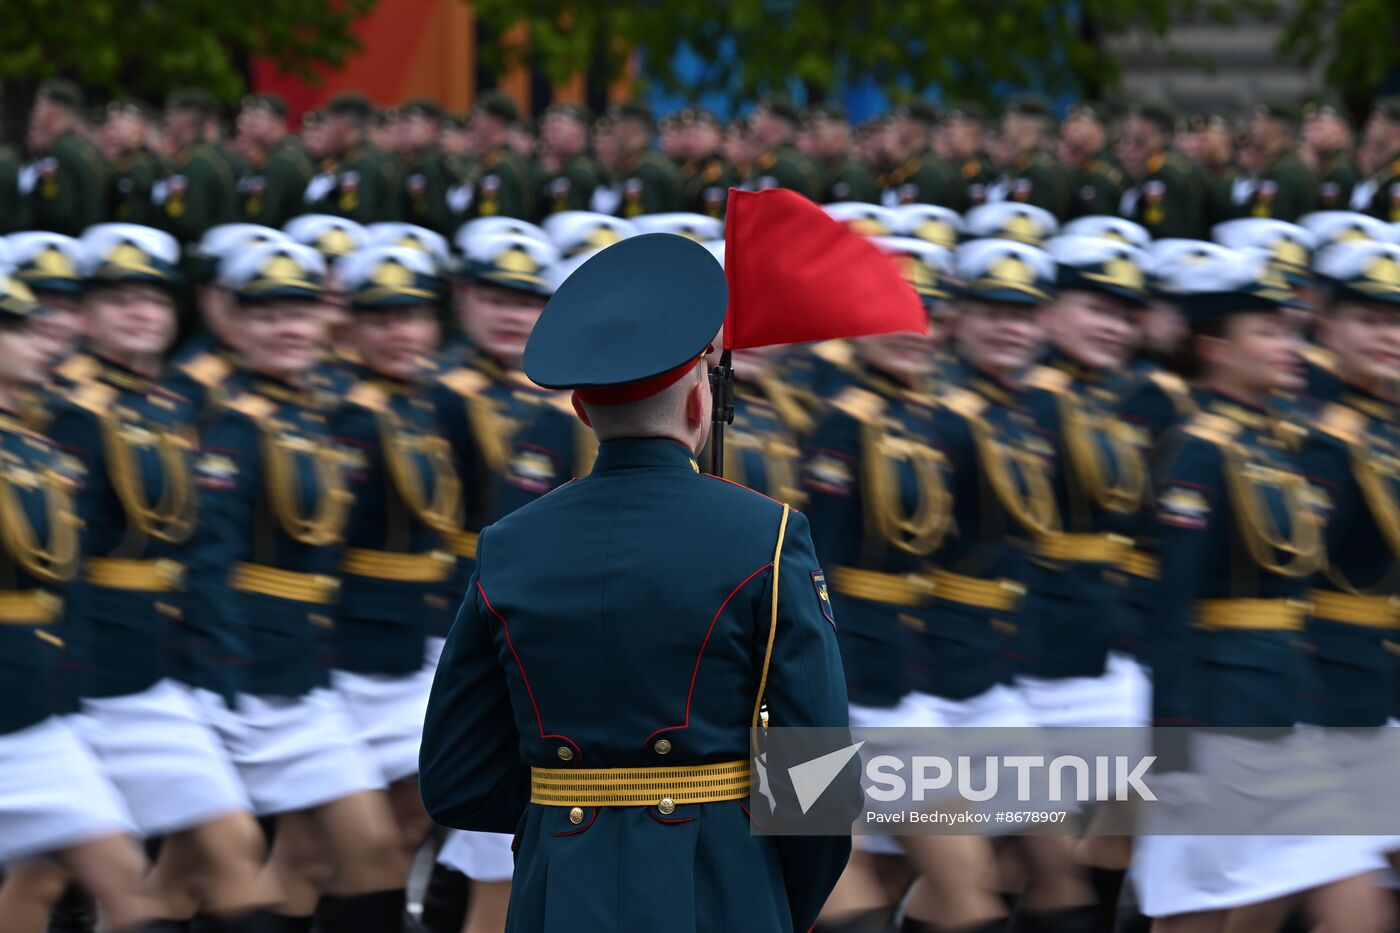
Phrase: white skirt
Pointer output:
(1121, 696)
(52, 793)
(479, 856)
(1000, 706)
(166, 763)
(387, 713)
(1256, 782)
(293, 753)
(433, 654)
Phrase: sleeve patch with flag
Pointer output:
(1184, 507)
(830, 475)
(216, 470)
(823, 595)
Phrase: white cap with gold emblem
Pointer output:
(512, 261)
(941, 226)
(1004, 271)
(1008, 220)
(697, 227)
(576, 232)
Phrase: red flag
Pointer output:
(797, 275)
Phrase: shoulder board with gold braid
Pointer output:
(368, 395)
(96, 397)
(77, 368)
(1176, 389)
(860, 404)
(252, 405)
(464, 381)
(1217, 429)
(1321, 357)
(1344, 423)
(962, 402)
(1048, 378)
(835, 352)
(207, 369)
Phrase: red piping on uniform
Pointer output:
(696, 671)
(751, 819)
(575, 832)
(526, 680)
(688, 819)
(742, 486)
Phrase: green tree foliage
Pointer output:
(1356, 42)
(971, 48)
(148, 47)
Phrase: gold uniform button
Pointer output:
(667, 806)
(565, 753)
(576, 815)
(662, 747)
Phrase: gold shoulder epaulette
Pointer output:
(835, 352)
(1217, 429)
(253, 405)
(96, 397)
(77, 368)
(1344, 423)
(464, 381)
(860, 404)
(207, 369)
(1321, 357)
(368, 395)
(968, 404)
(1048, 378)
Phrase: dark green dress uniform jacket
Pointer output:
(1336, 176)
(427, 178)
(65, 189)
(635, 604)
(363, 186)
(706, 183)
(877, 501)
(1099, 186)
(847, 179)
(1287, 191)
(261, 566)
(396, 572)
(275, 192)
(924, 178)
(13, 205)
(1041, 180)
(1000, 469)
(32, 637)
(1220, 203)
(199, 193)
(571, 188)
(978, 174)
(503, 188)
(138, 502)
(1170, 199)
(651, 185)
(1379, 195)
(1101, 486)
(133, 183)
(787, 167)
(1352, 459)
(1227, 491)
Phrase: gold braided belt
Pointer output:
(664, 788)
(284, 584)
(462, 543)
(1083, 548)
(1267, 614)
(29, 607)
(1355, 609)
(429, 567)
(151, 576)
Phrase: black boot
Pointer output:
(1108, 885)
(1070, 920)
(445, 901)
(258, 921)
(75, 913)
(911, 925)
(376, 912)
(875, 920)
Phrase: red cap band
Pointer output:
(628, 392)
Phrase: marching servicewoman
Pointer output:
(1239, 540)
(262, 582)
(131, 445)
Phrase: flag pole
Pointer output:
(721, 410)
